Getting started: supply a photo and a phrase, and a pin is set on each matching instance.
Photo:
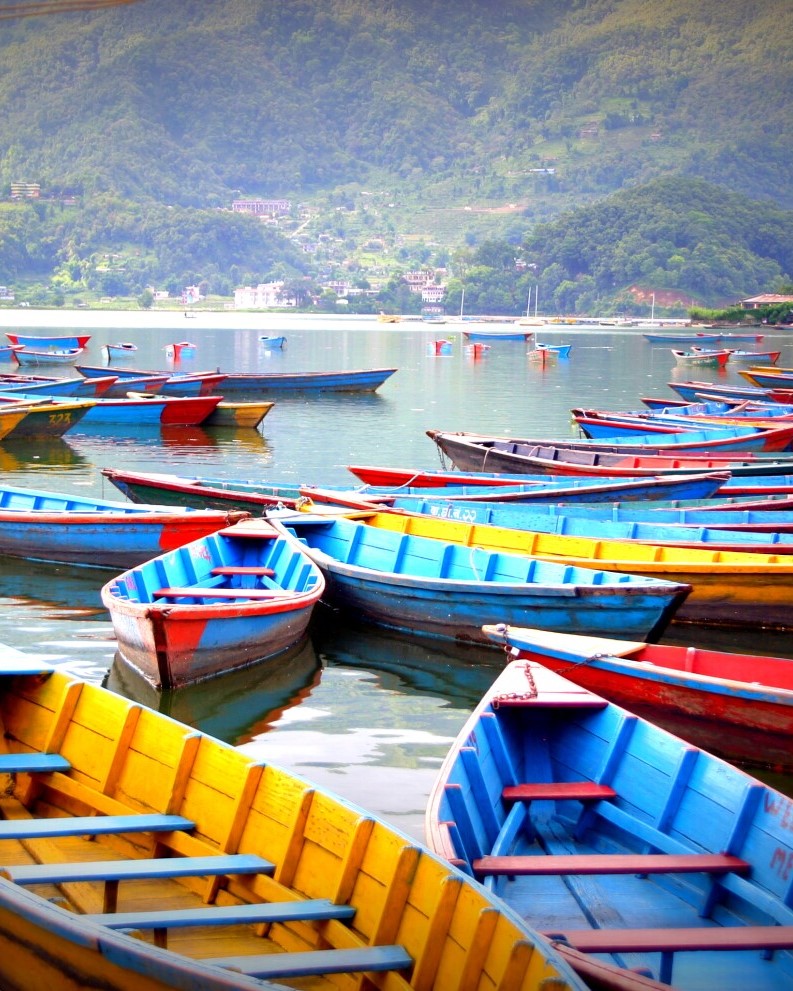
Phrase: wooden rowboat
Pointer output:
(51, 356)
(553, 518)
(195, 384)
(256, 383)
(183, 863)
(241, 414)
(252, 496)
(111, 351)
(137, 410)
(407, 581)
(97, 533)
(739, 706)
(616, 838)
(224, 601)
(701, 357)
(480, 452)
(41, 341)
(728, 588)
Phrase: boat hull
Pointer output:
(29, 356)
(45, 527)
(177, 623)
(279, 848)
(44, 341)
(255, 383)
(737, 706)
(728, 588)
(612, 787)
(443, 590)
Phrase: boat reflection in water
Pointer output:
(380, 721)
(235, 707)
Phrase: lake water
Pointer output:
(367, 714)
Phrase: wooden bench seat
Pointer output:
(583, 791)
(32, 763)
(312, 910)
(658, 940)
(668, 941)
(207, 592)
(100, 825)
(608, 863)
(317, 962)
(114, 871)
(247, 569)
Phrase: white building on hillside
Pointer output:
(263, 296)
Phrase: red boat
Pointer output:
(738, 706)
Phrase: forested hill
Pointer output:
(189, 103)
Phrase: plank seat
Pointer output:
(251, 533)
(114, 871)
(317, 962)
(583, 791)
(207, 592)
(243, 569)
(32, 763)
(668, 941)
(611, 863)
(660, 940)
(100, 825)
(311, 910)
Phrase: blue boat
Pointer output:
(617, 839)
(272, 342)
(561, 350)
(195, 384)
(694, 391)
(227, 600)
(44, 385)
(97, 533)
(677, 515)
(254, 383)
(137, 411)
(442, 589)
(58, 341)
(254, 496)
(525, 516)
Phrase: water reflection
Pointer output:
(237, 707)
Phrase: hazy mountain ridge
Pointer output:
(190, 102)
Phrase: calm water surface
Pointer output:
(370, 715)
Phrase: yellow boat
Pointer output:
(729, 588)
(242, 414)
(140, 854)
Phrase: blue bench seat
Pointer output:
(317, 962)
(26, 829)
(311, 910)
(114, 871)
(32, 763)
(207, 592)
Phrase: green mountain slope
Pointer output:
(190, 102)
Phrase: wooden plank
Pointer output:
(19, 829)
(120, 870)
(581, 791)
(32, 763)
(317, 962)
(198, 592)
(660, 940)
(248, 569)
(611, 863)
(311, 910)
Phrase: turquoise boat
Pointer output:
(522, 516)
(232, 598)
(616, 838)
(441, 589)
